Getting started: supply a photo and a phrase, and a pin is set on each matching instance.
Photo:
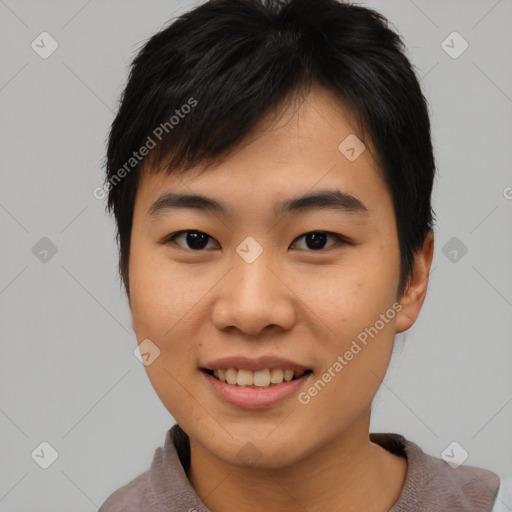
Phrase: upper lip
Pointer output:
(254, 364)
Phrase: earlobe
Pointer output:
(416, 290)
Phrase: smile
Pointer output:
(264, 378)
(251, 396)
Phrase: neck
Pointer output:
(348, 474)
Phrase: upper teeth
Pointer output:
(260, 378)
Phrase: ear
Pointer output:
(416, 289)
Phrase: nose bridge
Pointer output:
(254, 279)
(252, 296)
(253, 283)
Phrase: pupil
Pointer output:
(318, 240)
(197, 240)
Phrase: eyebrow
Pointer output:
(320, 200)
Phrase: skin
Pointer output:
(293, 301)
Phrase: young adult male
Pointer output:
(270, 170)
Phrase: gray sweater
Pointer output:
(431, 485)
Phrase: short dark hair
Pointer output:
(231, 62)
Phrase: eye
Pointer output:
(315, 240)
(196, 240)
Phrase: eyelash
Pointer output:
(341, 240)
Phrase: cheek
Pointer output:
(355, 342)
(161, 292)
(350, 295)
(162, 299)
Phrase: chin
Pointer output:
(258, 450)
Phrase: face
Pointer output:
(300, 289)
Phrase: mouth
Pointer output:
(263, 388)
(260, 379)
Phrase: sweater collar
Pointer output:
(425, 476)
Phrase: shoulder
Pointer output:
(163, 487)
(434, 484)
(135, 496)
(503, 501)
(452, 485)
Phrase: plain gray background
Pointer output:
(68, 375)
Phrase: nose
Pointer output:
(253, 297)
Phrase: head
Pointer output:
(254, 104)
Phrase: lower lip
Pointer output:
(254, 398)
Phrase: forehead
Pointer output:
(313, 145)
